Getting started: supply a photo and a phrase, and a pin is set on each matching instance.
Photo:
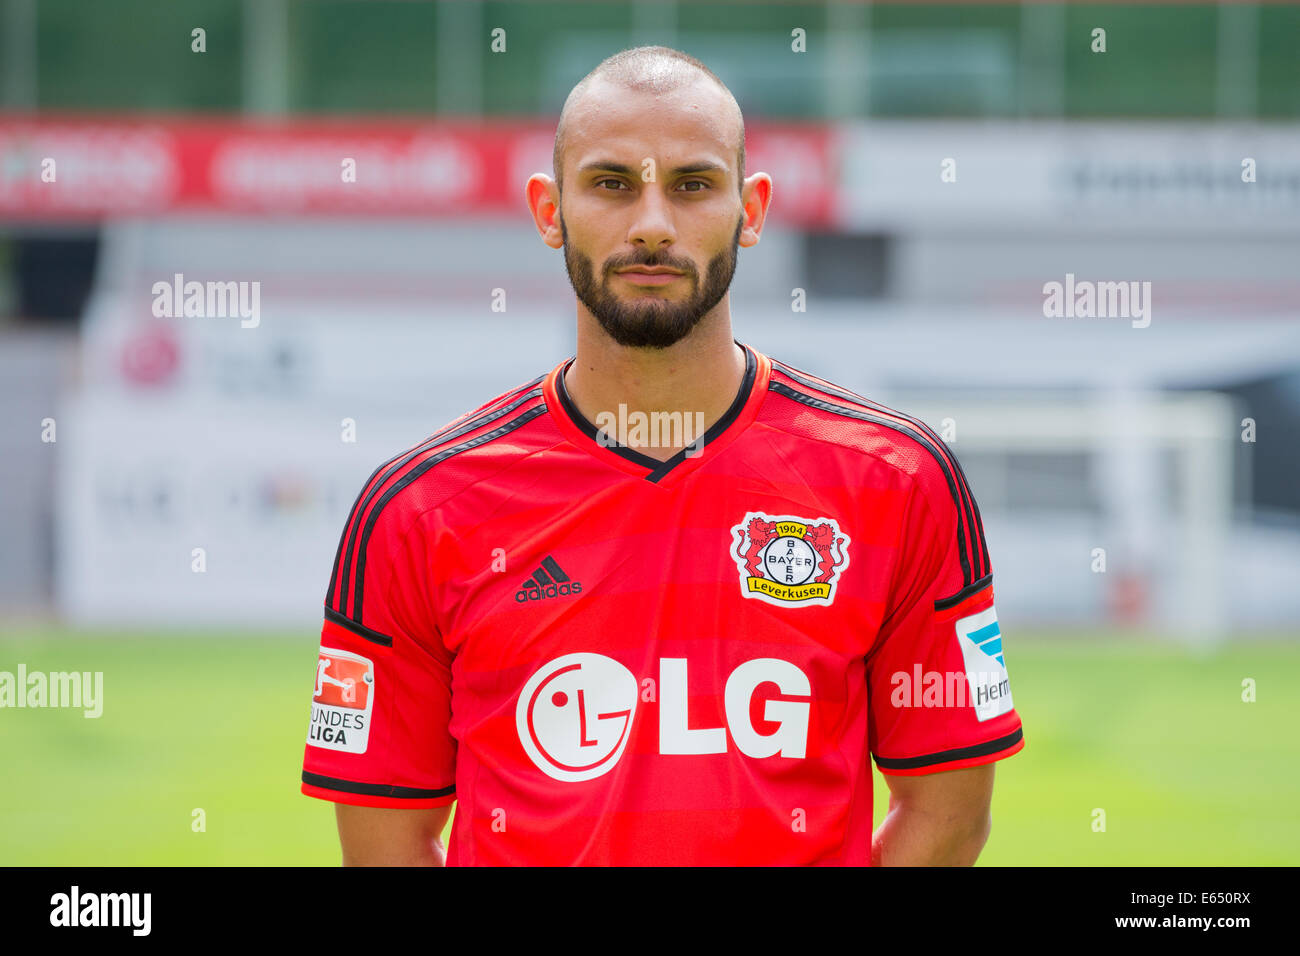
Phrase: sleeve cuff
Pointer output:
(374, 794)
(954, 759)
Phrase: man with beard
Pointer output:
(664, 603)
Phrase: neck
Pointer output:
(696, 379)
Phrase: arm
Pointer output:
(940, 699)
(378, 742)
(938, 819)
(374, 836)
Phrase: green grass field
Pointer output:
(1156, 736)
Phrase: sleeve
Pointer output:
(937, 674)
(378, 734)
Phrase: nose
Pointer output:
(652, 223)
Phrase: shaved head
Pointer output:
(645, 69)
(653, 138)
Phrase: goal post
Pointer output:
(1149, 475)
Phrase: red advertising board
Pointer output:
(87, 167)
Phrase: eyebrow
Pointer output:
(610, 166)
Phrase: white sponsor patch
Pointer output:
(342, 702)
(986, 668)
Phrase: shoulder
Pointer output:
(828, 413)
(823, 411)
(446, 462)
(420, 479)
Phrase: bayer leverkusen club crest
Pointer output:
(789, 561)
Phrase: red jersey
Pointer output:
(607, 659)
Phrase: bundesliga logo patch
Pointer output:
(342, 702)
(789, 561)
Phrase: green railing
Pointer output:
(884, 59)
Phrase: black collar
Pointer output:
(660, 468)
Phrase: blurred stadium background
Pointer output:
(1138, 484)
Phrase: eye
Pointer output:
(698, 182)
(600, 182)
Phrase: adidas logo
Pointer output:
(548, 581)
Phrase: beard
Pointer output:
(651, 321)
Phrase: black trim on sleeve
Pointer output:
(358, 629)
(373, 789)
(944, 603)
(948, 756)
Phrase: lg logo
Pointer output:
(574, 715)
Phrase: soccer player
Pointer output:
(664, 603)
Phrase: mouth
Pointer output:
(649, 276)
